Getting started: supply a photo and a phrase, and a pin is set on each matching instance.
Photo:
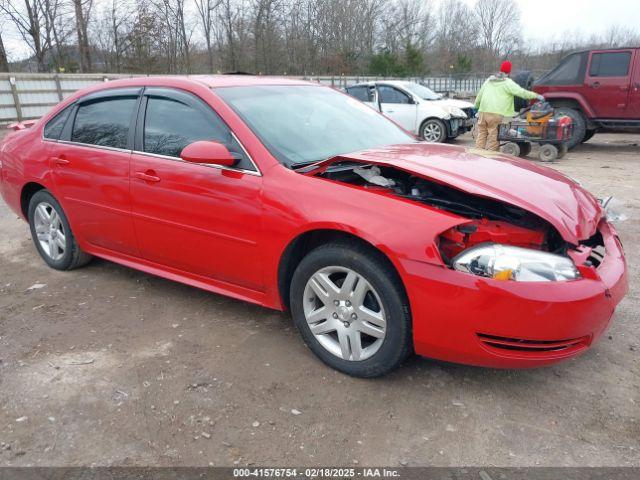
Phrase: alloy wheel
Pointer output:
(344, 313)
(432, 132)
(50, 231)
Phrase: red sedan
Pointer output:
(294, 196)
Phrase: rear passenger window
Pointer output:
(614, 64)
(53, 128)
(170, 125)
(104, 122)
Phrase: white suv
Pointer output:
(417, 108)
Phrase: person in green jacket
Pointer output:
(494, 102)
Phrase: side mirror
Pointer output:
(208, 152)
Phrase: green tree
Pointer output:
(463, 64)
(386, 64)
(413, 60)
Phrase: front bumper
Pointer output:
(459, 125)
(463, 318)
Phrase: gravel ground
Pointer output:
(109, 366)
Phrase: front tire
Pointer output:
(434, 130)
(351, 309)
(52, 233)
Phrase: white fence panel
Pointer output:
(29, 96)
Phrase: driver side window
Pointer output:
(390, 94)
(170, 125)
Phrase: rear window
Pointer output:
(611, 64)
(570, 71)
(53, 128)
(104, 122)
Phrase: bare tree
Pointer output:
(4, 64)
(206, 12)
(499, 26)
(456, 36)
(82, 10)
(28, 18)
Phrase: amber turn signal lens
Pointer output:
(503, 274)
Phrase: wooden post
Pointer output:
(16, 98)
(56, 77)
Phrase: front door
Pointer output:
(90, 168)
(398, 106)
(200, 219)
(607, 83)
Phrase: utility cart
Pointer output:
(536, 124)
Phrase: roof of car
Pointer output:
(398, 83)
(603, 49)
(244, 80)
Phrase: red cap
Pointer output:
(506, 67)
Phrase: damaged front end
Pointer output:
(495, 239)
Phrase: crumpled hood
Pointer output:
(451, 102)
(573, 211)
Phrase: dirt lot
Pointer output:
(109, 366)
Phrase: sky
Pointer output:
(543, 20)
(546, 19)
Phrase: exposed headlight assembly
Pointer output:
(504, 262)
(457, 112)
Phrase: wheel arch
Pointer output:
(305, 242)
(574, 101)
(28, 191)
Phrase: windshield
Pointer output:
(423, 92)
(305, 124)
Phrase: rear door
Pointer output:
(200, 219)
(398, 106)
(608, 82)
(90, 167)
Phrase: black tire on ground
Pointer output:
(72, 256)
(548, 152)
(397, 344)
(511, 148)
(588, 135)
(525, 148)
(562, 150)
(579, 125)
(434, 130)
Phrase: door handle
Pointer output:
(59, 161)
(148, 176)
(389, 111)
(595, 85)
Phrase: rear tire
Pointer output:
(376, 344)
(579, 125)
(52, 233)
